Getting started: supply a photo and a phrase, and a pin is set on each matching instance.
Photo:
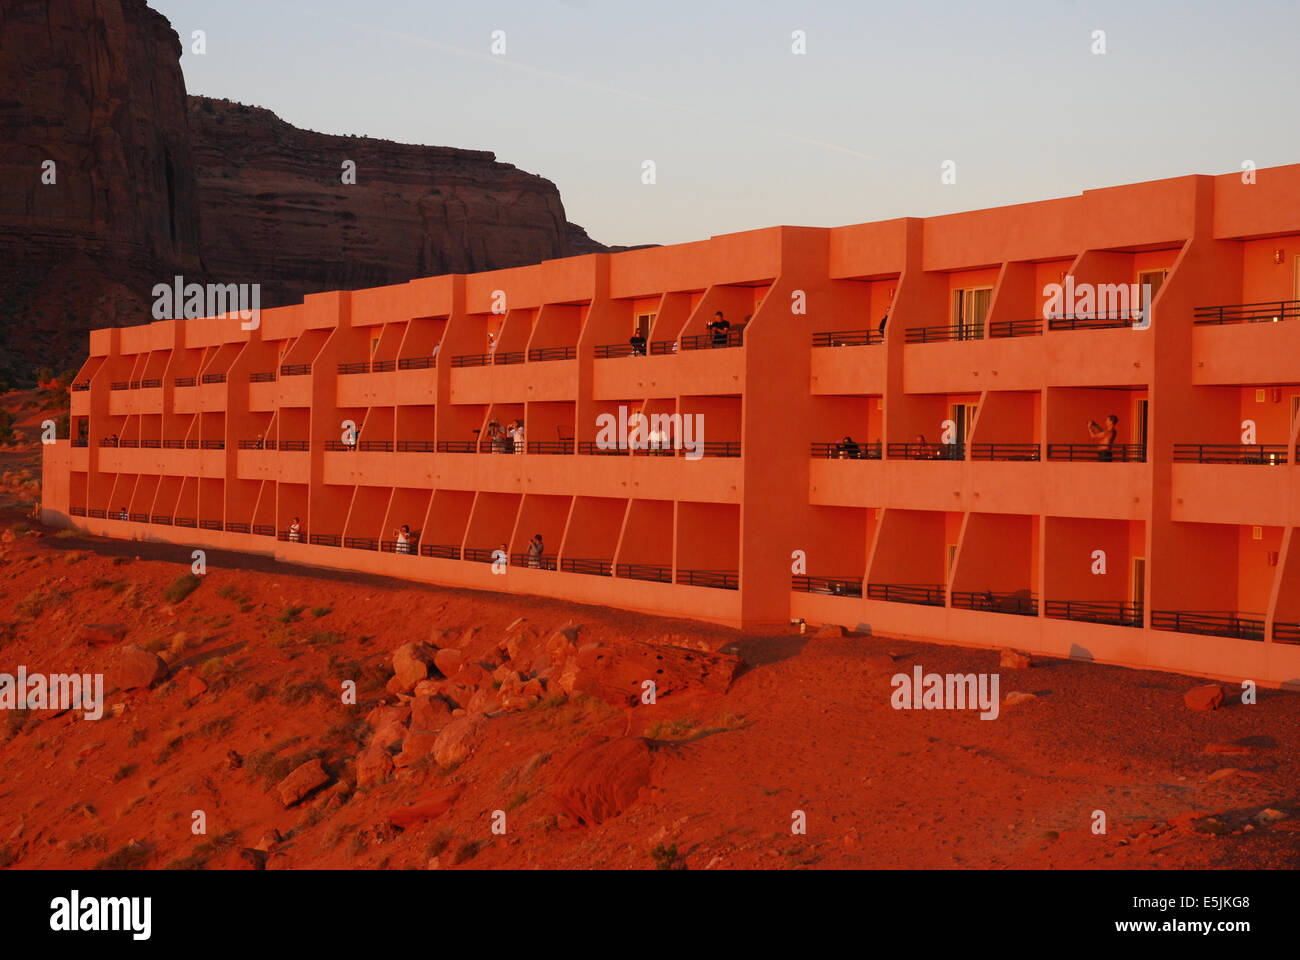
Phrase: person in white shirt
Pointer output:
(295, 530)
(403, 539)
(518, 436)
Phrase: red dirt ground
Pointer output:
(805, 726)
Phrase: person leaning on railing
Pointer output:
(719, 327)
(849, 450)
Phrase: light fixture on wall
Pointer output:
(1279, 256)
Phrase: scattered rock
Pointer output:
(374, 765)
(102, 634)
(388, 736)
(448, 660)
(138, 668)
(1014, 660)
(301, 782)
(1015, 697)
(458, 740)
(382, 716)
(196, 686)
(1206, 697)
(1269, 815)
(830, 631)
(599, 780)
(411, 664)
(430, 806)
(429, 713)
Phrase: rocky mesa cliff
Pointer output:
(147, 182)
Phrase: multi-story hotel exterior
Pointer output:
(937, 476)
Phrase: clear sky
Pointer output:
(743, 132)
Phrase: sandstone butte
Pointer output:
(151, 182)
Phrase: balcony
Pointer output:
(654, 573)
(713, 579)
(1242, 626)
(944, 333)
(927, 595)
(846, 451)
(1117, 613)
(1009, 329)
(926, 451)
(1022, 603)
(594, 568)
(848, 338)
(541, 562)
(1087, 321)
(1260, 454)
(1005, 451)
(1090, 452)
(1271, 311)
(828, 586)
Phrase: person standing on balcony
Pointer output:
(848, 449)
(295, 530)
(403, 535)
(535, 551)
(719, 326)
(492, 346)
(123, 515)
(1104, 437)
(518, 437)
(638, 344)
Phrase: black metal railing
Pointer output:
(295, 445)
(480, 555)
(185, 522)
(830, 586)
(416, 446)
(254, 444)
(267, 376)
(659, 348)
(291, 536)
(927, 451)
(161, 519)
(920, 593)
(550, 446)
(407, 547)
(1271, 311)
(644, 571)
(508, 357)
(711, 448)
(443, 551)
(457, 446)
(295, 369)
(717, 339)
(138, 517)
(1005, 451)
(1124, 318)
(97, 514)
(237, 527)
(592, 448)
(595, 568)
(109, 442)
(416, 363)
(185, 382)
(1258, 453)
(325, 540)
(152, 383)
(542, 562)
(713, 579)
(360, 366)
(81, 442)
(1023, 604)
(1003, 329)
(541, 354)
(944, 332)
(847, 338)
(209, 524)
(151, 444)
(472, 360)
(847, 451)
(360, 543)
(1121, 452)
(81, 386)
(76, 511)
(609, 351)
(213, 378)
(1210, 623)
(1120, 613)
(1285, 631)
(263, 530)
(119, 385)
(129, 444)
(383, 366)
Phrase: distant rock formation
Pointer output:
(148, 182)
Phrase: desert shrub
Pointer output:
(181, 587)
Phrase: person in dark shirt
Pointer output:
(849, 450)
(638, 345)
(719, 327)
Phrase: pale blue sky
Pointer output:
(746, 134)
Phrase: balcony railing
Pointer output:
(1094, 322)
(542, 562)
(1117, 612)
(1021, 604)
(81, 442)
(161, 519)
(920, 593)
(1210, 623)
(152, 383)
(76, 511)
(1272, 311)
(1286, 631)
(295, 445)
(139, 517)
(543, 354)
(129, 444)
(366, 446)
(416, 446)
(508, 357)
(659, 348)
(151, 444)
(255, 444)
(595, 568)
(708, 341)
(944, 332)
(408, 547)
(713, 448)
(847, 338)
(591, 448)
(119, 385)
(443, 551)
(472, 360)
(847, 451)
(295, 369)
(714, 579)
(110, 442)
(325, 540)
(1004, 329)
(416, 363)
(831, 586)
(213, 378)
(265, 376)
(457, 446)
(290, 536)
(1124, 452)
(927, 451)
(479, 555)
(360, 543)
(263, 530)
(644, 571)
(237, 527)
(359, 367)
(185, 522)
(97, 514)
(209, 524)
(383, 366)
(81, 386)
(550, 446)
(1004, 451)
(185, 382)
(1270, 454)
(609, 351)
